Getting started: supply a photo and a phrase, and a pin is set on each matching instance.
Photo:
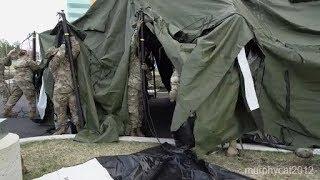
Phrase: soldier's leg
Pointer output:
(232, 149)
(140, 114)
(4, 92)
(60, 103)
(73, 111)
(29, 91)
(14, 97)
(135, 112)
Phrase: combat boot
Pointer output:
(78, 126)
(133, 133)
(7, 113)
(24, 169)
(62, 129)
(232, 149)
(32, 114)
(139, 133)
(303, 152)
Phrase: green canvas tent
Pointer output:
(202, 40)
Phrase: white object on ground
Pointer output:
(71, 136)
(10, 158)
(2, 119)
(146, 139)
(250, 91)
(154, 140)
(42, 103)
(87, 171)
(46, 138)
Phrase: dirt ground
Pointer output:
(48, 156)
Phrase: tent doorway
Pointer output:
(158, 85)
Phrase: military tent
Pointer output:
(203, 39)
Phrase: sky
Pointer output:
(18, 18)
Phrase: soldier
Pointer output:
(23, 84)
(63, 92)
(174, 85)
(134, 92)
(4, 88)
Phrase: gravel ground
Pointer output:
(48, 156)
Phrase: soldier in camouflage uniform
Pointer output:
(4, 88)
(134, 92)
(64, 92)
(23, 84)
(175, 79)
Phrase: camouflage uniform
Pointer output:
(134, 91)
(63, 92)
(23, 84)
(174, 85)
(4, 88)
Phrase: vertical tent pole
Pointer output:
(34, 45)
(72, 66)
(154, 82)
(142, 59)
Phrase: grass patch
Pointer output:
(272, 160)
(48, 156)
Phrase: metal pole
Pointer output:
(142, 60)
(72, 66)
(34, 45)
(154, 82)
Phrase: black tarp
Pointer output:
(164, 162)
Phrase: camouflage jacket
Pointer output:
(4, 62)
(25, 67)
(59, 66)
(134, 79)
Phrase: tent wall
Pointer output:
(213, 32)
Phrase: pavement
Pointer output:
(161, 112)
(22, 125)
(25, 128)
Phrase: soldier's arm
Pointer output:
(55, 61)
(33, 65)
(8, 60)
(75, 46)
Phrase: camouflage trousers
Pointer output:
(135, 110)
(18, 89)
(61, 102)
(4, 92)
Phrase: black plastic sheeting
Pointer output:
(164, 162)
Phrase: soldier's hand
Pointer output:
(11, 53)
(144, 66)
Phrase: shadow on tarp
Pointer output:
(164, 162)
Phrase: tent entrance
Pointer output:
(158, 85)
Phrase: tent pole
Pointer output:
(142, 61)
(34, 45)
(154, 82)
(73, 66)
